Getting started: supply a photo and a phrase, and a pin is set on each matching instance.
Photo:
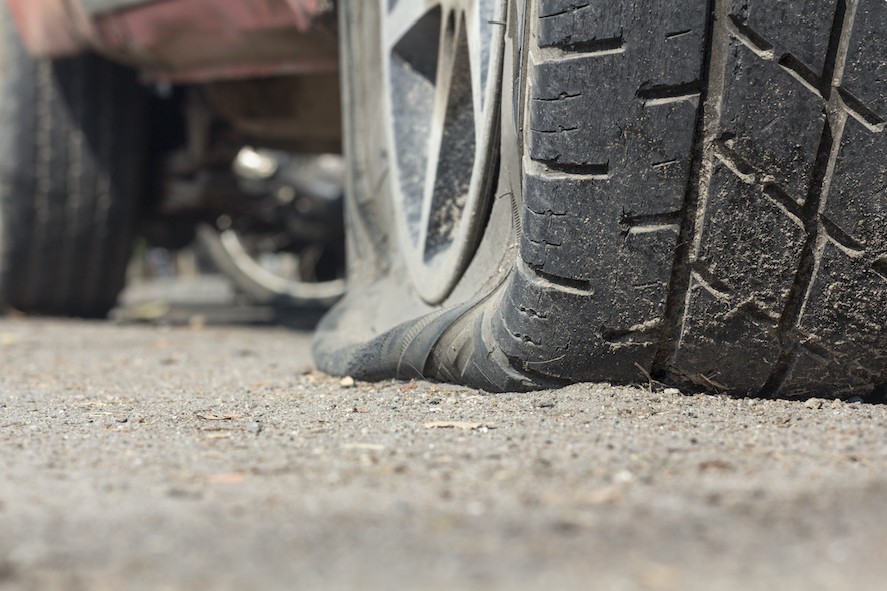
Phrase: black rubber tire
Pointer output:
(71, 156)
(701, 197)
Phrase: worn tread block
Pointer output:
(580, 218)
(815, 372)
(775, 122)
(646, 32)
(759, 269)
(847, 310)
(857, 201)
(716, 341)
(639, 270)
(566, 22)
(807, 34)
(588, 139)
(865, 74)
(558, 333)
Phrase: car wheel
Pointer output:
(267, 277)
(70, 162)
(285, 247)
(547, 191)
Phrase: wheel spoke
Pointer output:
(403, 16)
(446, 63)
(442, 93)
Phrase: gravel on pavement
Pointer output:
(211, 456)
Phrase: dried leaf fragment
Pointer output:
(216, 417)
(464, 425)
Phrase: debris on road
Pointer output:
(216, 417)
(464, 425)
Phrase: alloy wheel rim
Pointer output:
(442, 74)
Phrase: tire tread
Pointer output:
(70, 201)
(751, 300)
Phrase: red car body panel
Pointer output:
(187, 40)
(50, 27)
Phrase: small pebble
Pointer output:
(546, 404)
(814, 403)
(347, 382)
(183, 493)
(623, 477)
(671, 392)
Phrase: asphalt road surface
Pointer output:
(206, 454)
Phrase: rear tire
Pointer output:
(71, 156)
(699, 189)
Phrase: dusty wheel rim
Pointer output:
(261, 282)
(442, 79)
